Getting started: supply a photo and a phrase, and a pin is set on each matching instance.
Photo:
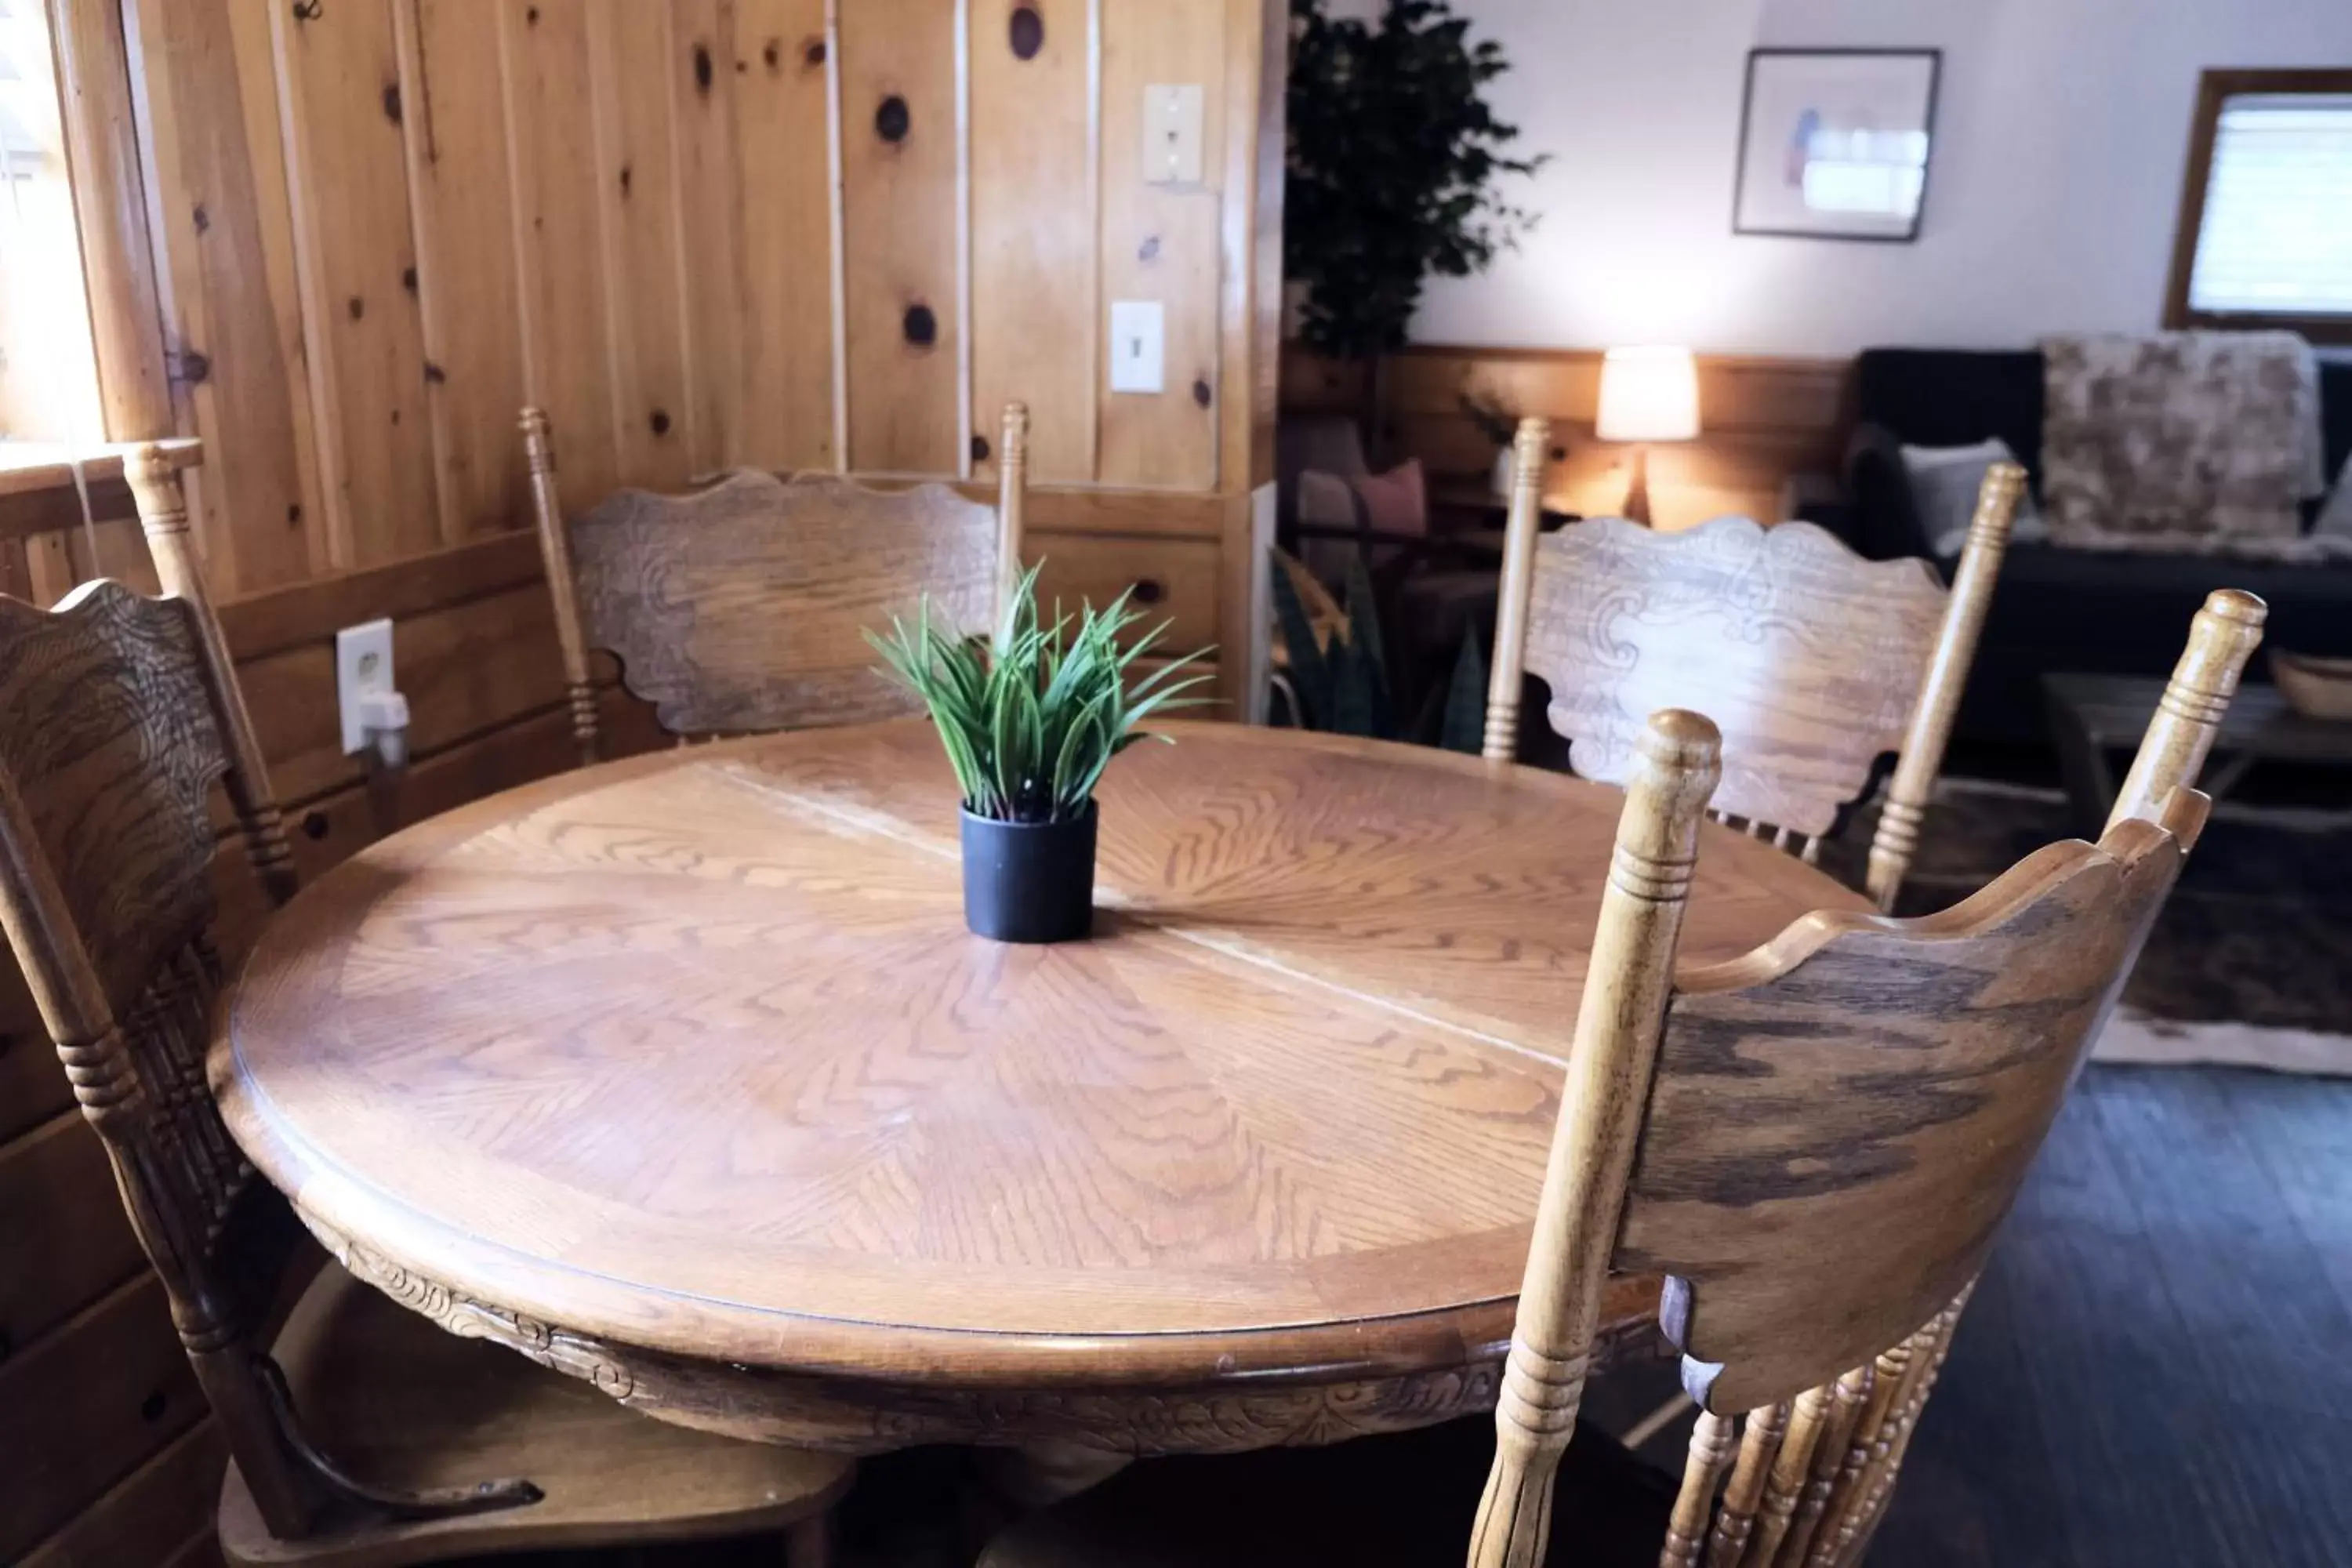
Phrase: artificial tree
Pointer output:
(1394, 160)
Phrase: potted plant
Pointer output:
(1029, 720)
(1395, 160)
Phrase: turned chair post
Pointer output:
(153, 473)
(1931, 731)
(555, 553)
(2221, 639)
(1609, 1068)
(1528, 451)
(1011, 503)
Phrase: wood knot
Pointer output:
(1026, 33)
(772, 54)
(409, 279)
(813, 53)
(893, 120)
(315, 825)
(357, 307)
(392, 102)
(921, 326)
(1203, 393)
(702, 68)
(434, 374)
(659, 422)
(979, 449)
(204, 219)
(628, 178)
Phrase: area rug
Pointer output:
(2249, 965)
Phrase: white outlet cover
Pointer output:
(362, 664)
(1138, 346)
(1174, 121)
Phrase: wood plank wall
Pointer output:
(360, 235)
(1762, 420)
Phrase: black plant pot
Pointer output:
(1029, 882)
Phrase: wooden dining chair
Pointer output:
(1813, 1146)
(362, 1434)
(743, 606)
(1812, 661)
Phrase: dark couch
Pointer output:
(2054, 610)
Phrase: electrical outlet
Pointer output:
(1174, 120)
(363, 664)
(1138, 351)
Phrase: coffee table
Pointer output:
(2092, 716)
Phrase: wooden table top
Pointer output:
(692, 1053)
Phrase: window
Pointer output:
(2265, 235)
(49, 373)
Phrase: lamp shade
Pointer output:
(1648, 395)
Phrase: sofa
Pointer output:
(2055, 609)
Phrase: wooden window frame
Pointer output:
(2214, 89)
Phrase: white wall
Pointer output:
(2061, 132)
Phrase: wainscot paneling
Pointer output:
(1763, 419)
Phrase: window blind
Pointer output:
(2276, 233)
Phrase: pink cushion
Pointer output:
(1398, 500)
(1394, 502)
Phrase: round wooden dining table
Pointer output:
(682, 1075)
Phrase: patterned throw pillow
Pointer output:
(2205, 440)
(1944, 485)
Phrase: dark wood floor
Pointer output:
(2157, 1367)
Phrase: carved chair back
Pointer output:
(1815, 1144)
(742, 608)
(119, 714)
(1812, 661)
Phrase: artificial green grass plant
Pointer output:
(1030, 717)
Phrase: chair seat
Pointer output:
(400, 1405)
(1404, 1502)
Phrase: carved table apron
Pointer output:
(680, 1075)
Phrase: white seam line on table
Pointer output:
(883, 824)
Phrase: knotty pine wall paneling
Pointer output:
(347, 171)
(558, 236)
(1034, 218)
(767, 317)
(1163, 242)
(461, 208)
(224, 255)
(343, 244)
(900, 191)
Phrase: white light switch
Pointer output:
(1138, 346)
(1173, 124)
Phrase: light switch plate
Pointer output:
(362, 664)
(1138, 346)
(1173, 124)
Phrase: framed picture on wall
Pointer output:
(1833, 144)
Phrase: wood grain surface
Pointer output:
(1808, 657)
(1912, 1072)
(744, 606)
(685, 1072)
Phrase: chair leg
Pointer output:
(808, 1543)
